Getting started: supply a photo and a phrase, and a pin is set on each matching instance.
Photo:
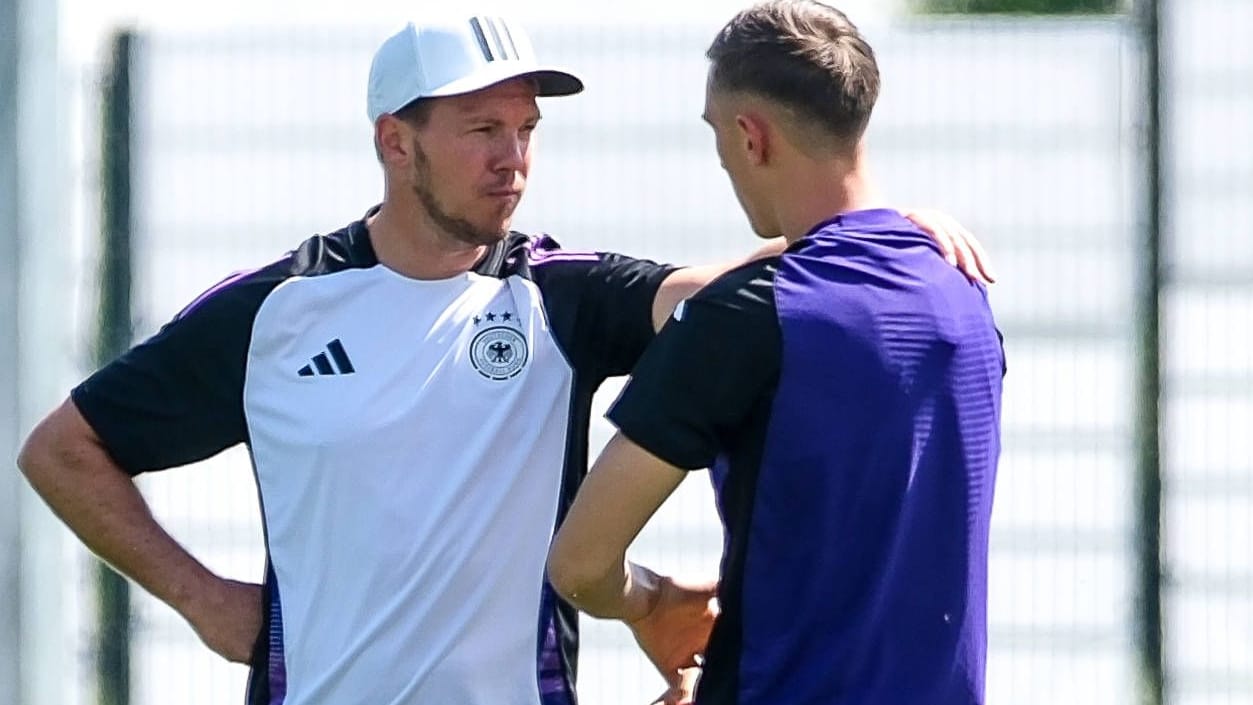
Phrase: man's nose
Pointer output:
(512, 155)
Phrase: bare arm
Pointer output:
(684, 282)
(66, 464)
(960, 247)
(587, 564)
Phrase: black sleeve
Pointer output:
(1000, 336)
(177, 397)
(1004, 361)
(708, 368)
(600, 305)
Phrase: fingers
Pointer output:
(685, 688)
(972, 258)
(960, 254)
(682, 690)
(966, 260)
(927, 221)
(958, 245)
(982, 258)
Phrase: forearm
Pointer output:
(628, 593)
(773, 247)
(100, 503)
(684, 282)
(698, 276)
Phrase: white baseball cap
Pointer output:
(451, 57)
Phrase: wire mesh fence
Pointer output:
(1209, 366)
(1029, 130)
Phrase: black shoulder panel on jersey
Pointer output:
(748, 288)
(600, 304)
(178, 397)
(711, 366)
(347, 248)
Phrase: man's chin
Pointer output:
(498, 231)
(502, 225)
(487, 236)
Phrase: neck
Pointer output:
(820, 190)
(407, 241)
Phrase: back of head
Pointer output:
(804, 56)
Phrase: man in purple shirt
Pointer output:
(853, 447)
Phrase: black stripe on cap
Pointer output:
(482, 37)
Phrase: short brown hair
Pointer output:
(805, 56)
(417, 112)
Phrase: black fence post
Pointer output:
(113, 648)
(1150, 281)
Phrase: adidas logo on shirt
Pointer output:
(336, 364)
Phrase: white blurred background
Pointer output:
(251, 135)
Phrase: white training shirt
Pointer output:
(414, 442)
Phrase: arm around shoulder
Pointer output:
(683, 283)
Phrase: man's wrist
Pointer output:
(195, 593)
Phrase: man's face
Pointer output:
(472, 157)
(721, 112)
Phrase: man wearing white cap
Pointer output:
(415, 392)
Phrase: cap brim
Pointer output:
(550, 80)
(555, 82)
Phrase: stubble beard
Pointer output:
(459, 229)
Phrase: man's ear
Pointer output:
(754, 137)
(392, 140)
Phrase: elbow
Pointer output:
(563, 573)
(574, 575)
(56, 449)
(35, 454)
(43, 463)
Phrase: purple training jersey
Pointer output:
(847, 395)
